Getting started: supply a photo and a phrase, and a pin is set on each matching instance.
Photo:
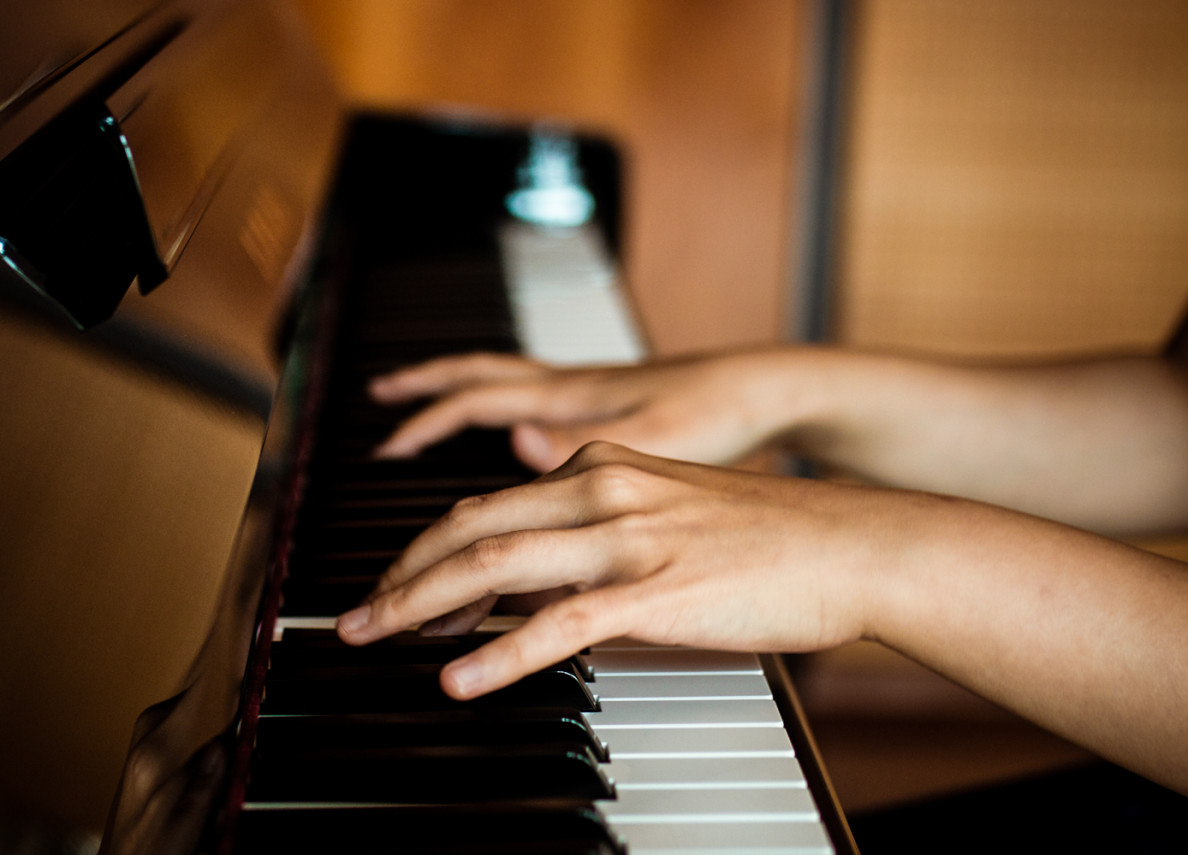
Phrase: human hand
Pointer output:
(707, 409)
(628, 544)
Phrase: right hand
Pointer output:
(713, 409)
(663, 551)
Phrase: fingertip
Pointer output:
(387, 451)
(382, 388)
(395, 447)
(462, 679)
(350, 625)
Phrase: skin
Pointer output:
(1077, 632)
(1097, 444)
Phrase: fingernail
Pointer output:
(432, 627)
(355, 619)
(461, 677)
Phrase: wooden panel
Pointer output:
(702, 95)
(1017, 176)
(96, 628)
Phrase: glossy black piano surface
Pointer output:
(184, 467)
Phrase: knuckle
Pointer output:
(516, 652)
(616, 487)
(596, 452)
(489, 553)
(575, 621)
(143, 770)
(387, 606)
(463, 512)
(464, 508)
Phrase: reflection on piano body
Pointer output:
(191, 498)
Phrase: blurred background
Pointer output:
(983, 181)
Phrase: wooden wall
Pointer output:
(1016, 176)
(701, 94)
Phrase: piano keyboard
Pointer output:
(697, 757)
(629, 747)
(566, 303)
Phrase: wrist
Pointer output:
(806, 397)
(905, 580)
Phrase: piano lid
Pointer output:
(130, 452)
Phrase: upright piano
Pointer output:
(203, 257)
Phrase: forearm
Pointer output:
(1101, 445)
(1085, 636)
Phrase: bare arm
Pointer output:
(1101, 445)
(1080, 634)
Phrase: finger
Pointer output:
(545, 447)
(480, 406)
(537, 505)
(539, 447)
(460, 621)
(514, 563)
(553, 634)
(450, 372)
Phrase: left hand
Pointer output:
(628, 544)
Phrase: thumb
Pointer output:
(545, 448)
(539, 447)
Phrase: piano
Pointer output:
(204, 256)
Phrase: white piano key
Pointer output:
(751, 836)
(283, 623)
(690, 687)
(567, 304)
(634, 742)
(676, 772)
(640, 805)
(713, 713)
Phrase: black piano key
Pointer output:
(385, 507)
(473, 726)
(413, 480)
(408, 688)
(368, 358)
(482, 449)
(433, 280)
(467, 471)
(302, 650)
(460, 332)
(358, 565)
(343, 537)
(325, 597)
(427, 774)
(555, 828)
